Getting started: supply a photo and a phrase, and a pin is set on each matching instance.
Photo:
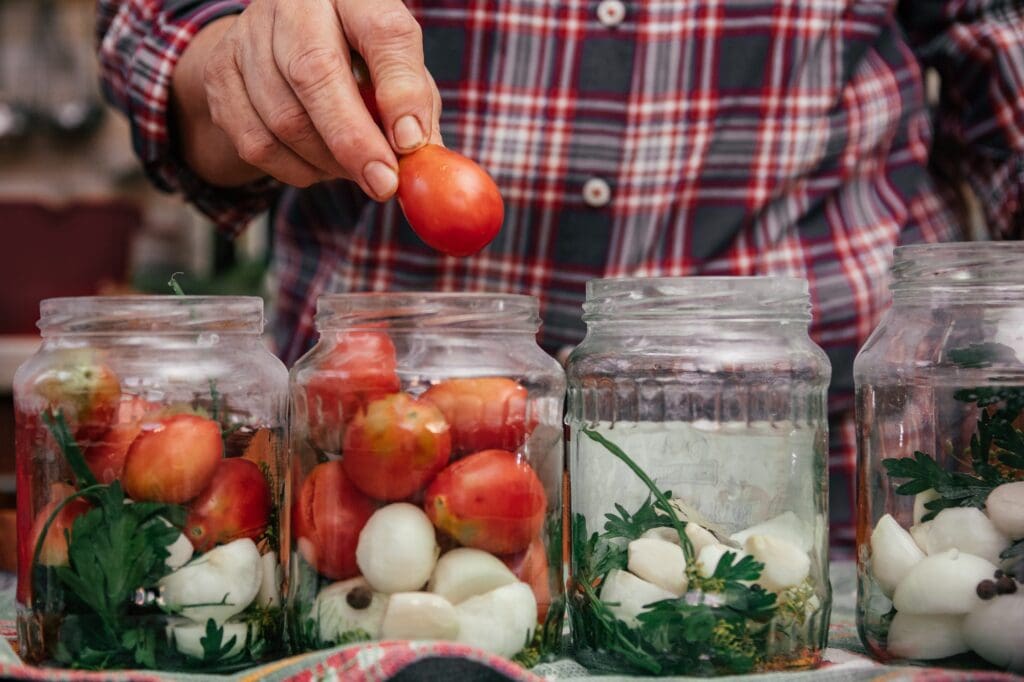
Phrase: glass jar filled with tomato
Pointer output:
(698, 478)
(940, 469)
(150, 478)
(427, 469)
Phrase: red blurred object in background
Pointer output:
(70, 250)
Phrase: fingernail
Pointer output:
(381, 179)
(408, 133)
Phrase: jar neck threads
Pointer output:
(673, 301)
(118, 315)
(425, 312)
(990, 273)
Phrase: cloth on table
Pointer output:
(845, 658)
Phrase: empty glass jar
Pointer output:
(427, 475)
(150, 479)
(698, 478)
(940, 411)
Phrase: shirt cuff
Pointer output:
(149, 89)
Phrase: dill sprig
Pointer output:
(996, 450)
(719, 626)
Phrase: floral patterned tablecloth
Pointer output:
(405, 662)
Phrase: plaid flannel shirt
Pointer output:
(685, 137)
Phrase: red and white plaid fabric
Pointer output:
(740, 137)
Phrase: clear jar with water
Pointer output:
(150, 474)
(940, 412)
(698, 478)
(427, 455)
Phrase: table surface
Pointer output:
(845, 657)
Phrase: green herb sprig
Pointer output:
(114, 549)
(173, 284)
(996, 448)
(720, 625)
(662, 498)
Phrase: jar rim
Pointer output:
(754, 297)
(478, 312)
(959, 268)
(150, 314)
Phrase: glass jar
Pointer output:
(940, 412)
(426, 491)
(150, 477)
(698, 477)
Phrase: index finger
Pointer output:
(391, 42)
(311, 52)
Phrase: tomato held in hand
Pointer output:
(358, 368)
(395, 446)
(491, 500)
(327, 517)
(450, 201)
(485, 414)
(172, 459)
(235, 505)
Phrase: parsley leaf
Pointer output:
(214, 647)
(116, 551)
(981, 355)
(720, 625)
(996, 449)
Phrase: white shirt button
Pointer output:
(611, 12)
(596, 192)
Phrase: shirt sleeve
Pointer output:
(140, 42)
(977, 47)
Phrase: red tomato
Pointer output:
(236, 504)
(450, 201)
(395, 446)
(105, 457)
(485, 414)
(85, 389)
(531, 567)
(358, 368)
(28, 430)
(491, 500)
(327, 517)
(55, 546)
(361, 73)
(172, 459)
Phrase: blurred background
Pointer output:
(76, 214)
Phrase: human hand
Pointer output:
(270, 91)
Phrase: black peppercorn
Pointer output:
(999, 573)
(359, 597)
(986, 589)
(1006, 585)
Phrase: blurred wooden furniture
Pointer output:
(66, 250)
(8, 553)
